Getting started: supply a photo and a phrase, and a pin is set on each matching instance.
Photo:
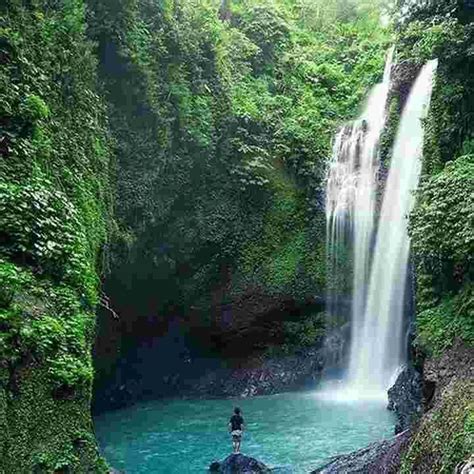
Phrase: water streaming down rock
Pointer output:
(350, 202)
(378, 343)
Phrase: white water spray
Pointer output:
(378, 344)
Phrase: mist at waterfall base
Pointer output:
(295, 432)
(379, 249)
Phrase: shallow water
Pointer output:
(295, 431)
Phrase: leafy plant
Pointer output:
(34, 108)
(452, 319)
(70, 371)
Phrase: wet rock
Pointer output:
(381, 458)
(405, 398)
(264, 377)
(456, 363)
(239, 464)
(268, 376)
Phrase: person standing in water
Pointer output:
(236, 428)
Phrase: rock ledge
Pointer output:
(239, 464)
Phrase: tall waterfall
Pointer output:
(378, 271)
(379, 350)
(350, 197)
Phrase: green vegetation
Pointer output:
(305, 333)
(444, 244)
(182, 145)
(54, 219)
(446, 437)
(452, 318)
(219, 117)
(223, 119)
(441, 224)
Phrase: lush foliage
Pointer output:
(442, 221)
(446, 437)
(439, 326)
(441, 224)
(223, 117)
(54, 215)
(306, 333)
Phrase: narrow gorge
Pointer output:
(207, 204)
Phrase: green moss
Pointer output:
(446, 436)
(304, 333)
(388, 136)
(46, 433)
(283, 266)
(280, 252)
(54, 216)
(440, 326)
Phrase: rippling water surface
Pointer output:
(295, 431)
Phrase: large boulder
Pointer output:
(405, 398)
(239, 464)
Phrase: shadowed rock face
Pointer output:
(266, 377)
(406, 398)
(239, 464)
(381, 458)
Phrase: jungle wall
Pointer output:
(223, 116)
(160, 161)
(55, 208)
(442, 237)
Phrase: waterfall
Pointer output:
(378, 344)
(379, 269)
(350, 201)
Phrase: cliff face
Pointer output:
(443, 242)
(223, 124)
(444, 437)
(54, 198)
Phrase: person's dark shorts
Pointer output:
(236, 435)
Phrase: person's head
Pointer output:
(237, 410)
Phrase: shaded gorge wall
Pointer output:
(223, 126)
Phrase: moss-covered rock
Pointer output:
(442, 236)
(445, 436)
(54, 219)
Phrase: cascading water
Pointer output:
(350, 201)
(379, 351)
(378, 283)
